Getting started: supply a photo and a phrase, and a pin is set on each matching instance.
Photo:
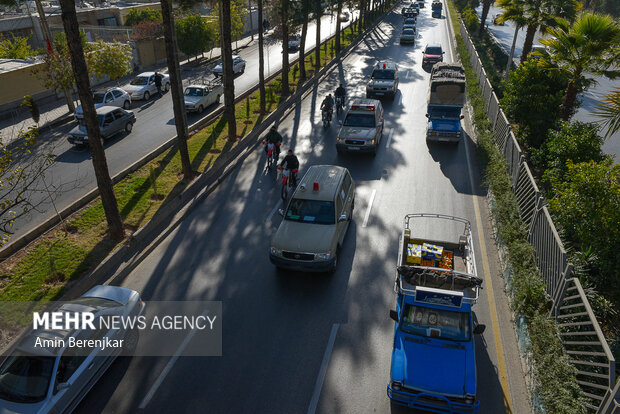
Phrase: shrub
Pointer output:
(471, 19)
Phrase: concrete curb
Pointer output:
(124, 259)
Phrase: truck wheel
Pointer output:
(128, 127)
(332, 270)
(200, 109)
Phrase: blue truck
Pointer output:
(433, 364)
(436, 7)
(446, 97)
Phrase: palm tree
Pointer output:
(543, 15)
(261, 58)
(227, 69)
(176, 87)
(486, 6)
(609, 112)
(95, 142)
(581, 50)
(512, 11)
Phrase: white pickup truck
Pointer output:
(199, 97)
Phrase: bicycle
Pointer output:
(272, 153)
(339, 104)
(327, 117)
(286, 183)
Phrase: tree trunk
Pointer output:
(362, 19)
(251, 23)
(261, 58)
(338, 26)
(302, 43)
(285, 63)
(486, 6)
(529, 41)
(176, 88)
(227, 73)
(80, 71)
(317, 46)
(568, 104)
(512, 52)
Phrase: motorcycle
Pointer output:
(287, 184)
(327, 117)
(339, 104)
(272, 153)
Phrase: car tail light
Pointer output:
(315, 186)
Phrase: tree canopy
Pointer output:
(135, 17)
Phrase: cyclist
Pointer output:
(327, 105)
(292, 163)
(274, 137)
(340, 95)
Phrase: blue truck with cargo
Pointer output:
(433, 364)
(446, 97)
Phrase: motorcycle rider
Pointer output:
(274, 137)
(341, 93)
(328, 105)
(292, 163)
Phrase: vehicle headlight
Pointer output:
(275, 252)
(396, 385)
(323, 256)
(469, 399)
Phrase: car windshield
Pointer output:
(433, 51)
(410, 21)
(360, 120)
(408, 32)
(140, 80)
(311, 211)
(383, 74)
(193, 92)
(99, 303)
(98, 97)
(25, 378)
(435, 323)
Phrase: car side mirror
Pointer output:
(394, 315)
(281, 212)
(479, 329)
(428, 116)
(62, 386)
(462, 116)
(343, 217)
(443, 53)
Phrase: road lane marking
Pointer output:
(499, 350)
(323, 371)
(400, 99)
(408, 73)
(169, 366)
(387, 144)
(367, 216)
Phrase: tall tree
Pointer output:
(609, 112)
(318, 11)
(305, 11)
(80, 72)
(261, 58)
(285, 17)
(584, 48)
(542, 15)
(486, 6)
(512, 11)
(227, 66)
(338, 25)
(176, 87)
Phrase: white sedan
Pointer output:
(238, 66)
(143, 85)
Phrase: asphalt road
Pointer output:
(590, 98)
(72, 175)
(305, 343)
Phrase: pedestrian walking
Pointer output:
(158, 83)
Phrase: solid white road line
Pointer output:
(169, 366)
(367, 216)
(387, 144)
(323, 371)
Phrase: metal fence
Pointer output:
(105, 33)
(581, 334)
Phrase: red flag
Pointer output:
(49, 46)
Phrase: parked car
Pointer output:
(238, 66)
(432, 54)
(107, 97)
(143, 85)
(111, 119)
(294, 42)
(321, 210)
(407, 36)
(48, 379)
(198, 97)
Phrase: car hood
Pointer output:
(445, 125)
(192, 99)
(381, 83)
(8, 407)
(134, 88)
(304, 237)
(433, 366)
(115, 293)
(79, 131)
(217, 68)
(432, 56)
(356, 132)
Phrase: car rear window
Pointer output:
(433, 51)
(25, 378)
(140, 80)
(360, 120)
(193, 92)
(98, 97)
(383, 74)
(311, 211)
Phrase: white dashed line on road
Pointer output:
(387, 144)
(323, 371)
(367, 216)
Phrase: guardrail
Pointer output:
(581, 334)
